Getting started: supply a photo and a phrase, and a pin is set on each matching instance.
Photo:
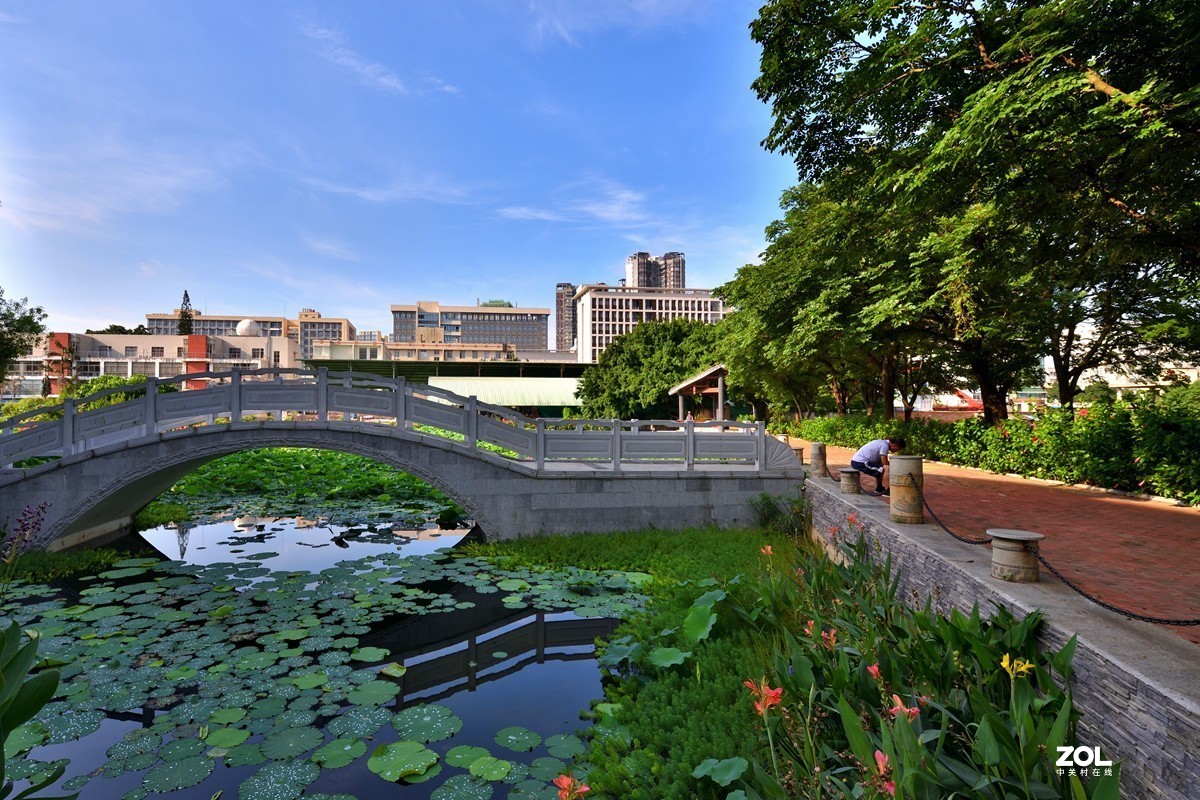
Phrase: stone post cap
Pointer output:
(1014, 535)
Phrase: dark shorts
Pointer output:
(862, 466)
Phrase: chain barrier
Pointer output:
(1070, 583)
(830, 472)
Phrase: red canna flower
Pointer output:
(569, 788)
(767, 551)
(890, 788)
(764, 695)
(808, 626)
(873, 671)
(881, 762)
(829, 639)
(899, 708)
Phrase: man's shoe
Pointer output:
(879, 490)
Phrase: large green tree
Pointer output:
(21, 326)
(1045, 156)
(185, 315)
(633, 375)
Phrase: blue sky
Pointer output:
(274, 155)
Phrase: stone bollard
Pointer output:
(905, 481)
(1011, 559)
(849, 481)
(816, 455)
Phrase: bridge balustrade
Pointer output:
(318, 397)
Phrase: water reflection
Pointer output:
(300, 542)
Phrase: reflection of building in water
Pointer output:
(182, 534)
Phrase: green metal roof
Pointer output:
(514, 392)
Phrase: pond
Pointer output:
(268, 658)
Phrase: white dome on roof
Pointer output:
(248, 327)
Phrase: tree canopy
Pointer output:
(996, 180)
(21, 326)
(633, 375)
(185, 315)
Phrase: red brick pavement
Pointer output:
(1137, 554)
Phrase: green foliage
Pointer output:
(293, 481)
(659, 723)
(633, 375)
(20, 327)
(185, 315)
(40, 566)
(883, 699)
(1144, 445)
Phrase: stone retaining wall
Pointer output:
(1137, 685)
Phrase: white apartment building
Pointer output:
(605, 312)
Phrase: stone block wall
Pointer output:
(1137, 685)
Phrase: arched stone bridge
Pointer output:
(516, 476)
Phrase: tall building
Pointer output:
(564, 317)
(306, 329)
(645, 270)
(605, 312)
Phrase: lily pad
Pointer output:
(463, 787)
(374, 693)
(464, 755)
(339, 753)
(667, 656)
(370, 654)
(175, 775)
(226, 737)
(427, 723)
(565, 746)
(359, 721)
(490, 768)
(291, 742)
(547, 769)
(395, 760)
(518, 739)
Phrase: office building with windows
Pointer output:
(643, 270)
(564, 317)
(495, 323)
(307, 328)
(605, 312)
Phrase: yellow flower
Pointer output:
(1015, 667)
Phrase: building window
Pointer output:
(235, 352)
(130, 352)
(257, 352)
(105, 351)
(179, 352)
(156, 352)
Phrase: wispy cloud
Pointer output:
(100, 179)
(332, 45)
(400, 190)
(329, 248)
(567, 20)
(589, 201)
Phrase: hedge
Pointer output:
(1145, 445)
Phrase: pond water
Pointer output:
(268, 658)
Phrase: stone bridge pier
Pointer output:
(97, 491)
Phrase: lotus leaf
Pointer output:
(369, 654)
(464, 755)
(255, 662)
(226, 716)
(281, 781)
(373, 694)
(268, 708)
(564, 745)
(296, 718)
(359, 721)
(71, 726)
(291, 742)
(532, 790)
(24, 738)
(244, 755)
(425, 776)
(724, 772)
(339, 753)
(226, 737)
(518, 773)
(175, 775)
(463, 787)
(181, 749)
(667, 656)
(518, 739)
(490, 768)
(394, 670)
(126, 572)
(136, 794)
(76, 783)
(427, 723)
(395, 760)
(547, 769)
(185, 672)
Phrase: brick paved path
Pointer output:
(1137, 554)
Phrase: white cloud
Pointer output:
(526, 213)
(429, 189)
(333, 47)
(566, 20)
(328, 248)
(589, 201)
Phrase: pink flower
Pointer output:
(767, 551)
(899, 708)
(569, 788)
(890, 788)
(881, 762)
(874, 672)
(808, 626)
(829, 639)
(765, 696)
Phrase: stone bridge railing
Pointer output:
(78, 425)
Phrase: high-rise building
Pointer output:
(564, 317)
(605, 312)
(645, 270)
